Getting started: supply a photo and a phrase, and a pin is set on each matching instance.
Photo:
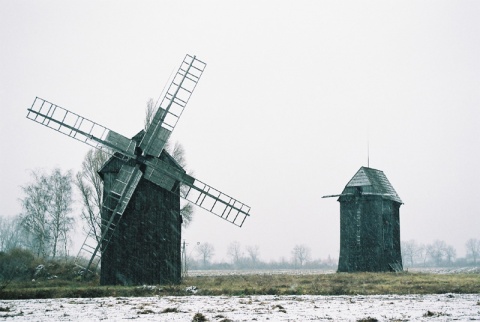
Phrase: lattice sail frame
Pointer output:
(115, 203)
(79, 128)
(172, 105)
(197, 192)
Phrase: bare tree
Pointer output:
(253, 253)
(34, 216)
(422, 254)
(178, 153)
(301, 254)
(410, 251)
(90, 186)
(149, 113)
(436, 251)
(450, 254)
(206, 251)
(10, 233)
(186, 210)
(5, 230)
(46, 206)
(473, 249)
(234, 250)
(60, 186)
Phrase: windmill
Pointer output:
(141, 159)
(369, 224)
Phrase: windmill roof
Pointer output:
(114, 163)
(373, 181)
(138, 138)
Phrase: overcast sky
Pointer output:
(293, 94)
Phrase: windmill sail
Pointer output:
(172, 105)
(197, 192)
(214, 201)
(115, 205)
(79, 128)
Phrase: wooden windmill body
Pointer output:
(369, 224)
(145, 248)
(140, 216)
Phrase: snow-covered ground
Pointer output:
(445, 307)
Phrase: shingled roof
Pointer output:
(374, 182)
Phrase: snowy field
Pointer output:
(445, 307)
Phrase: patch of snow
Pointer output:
(191, 289)
(444, 307)
(446, 270)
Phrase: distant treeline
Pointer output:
(439, 254)
(436, 254)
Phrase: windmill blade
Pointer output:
(115, 205)
(214, 201)
(88, 253)
(123, 188)
(172, 105)
(196, 192)
(79, 128)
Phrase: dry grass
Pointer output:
(337, 284)
(277, 284)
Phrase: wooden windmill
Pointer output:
(369, 224)
(142, 159)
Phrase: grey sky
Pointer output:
(292, 93)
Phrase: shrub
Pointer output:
(15, 265)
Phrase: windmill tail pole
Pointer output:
(340, 195)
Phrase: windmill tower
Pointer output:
(141, 163)
(369, 224)
(145, 248)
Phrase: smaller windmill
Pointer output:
(369, 224)
(141, 159)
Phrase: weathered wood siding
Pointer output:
(369, 234)
(145, 248)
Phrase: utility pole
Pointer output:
(184, 260)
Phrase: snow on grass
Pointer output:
(444, 307)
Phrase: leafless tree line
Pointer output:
(248, 257)
(438, 253)
(206, 251)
